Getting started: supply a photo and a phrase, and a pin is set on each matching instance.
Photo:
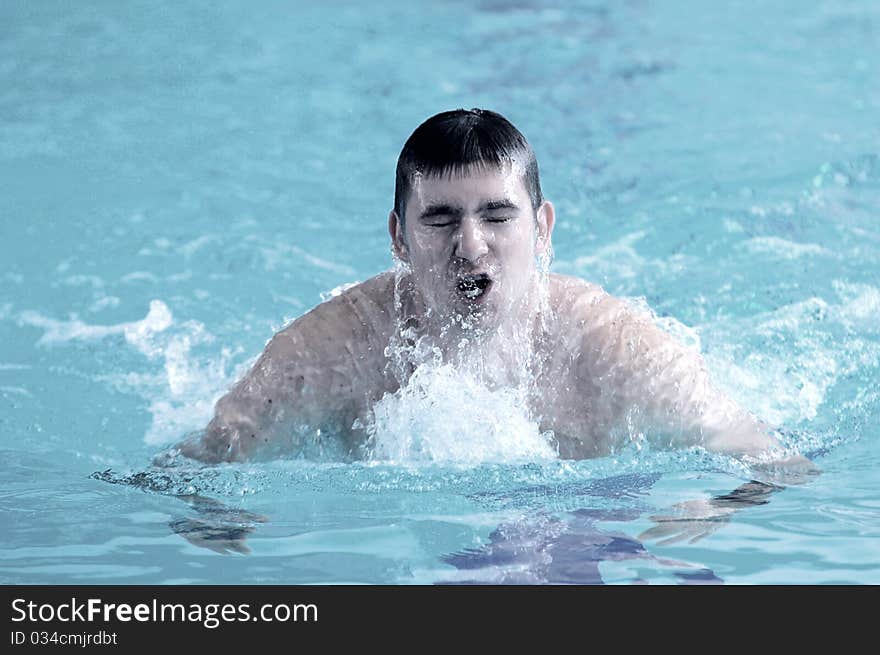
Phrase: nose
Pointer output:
(470, 240)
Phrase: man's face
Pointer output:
(471, 242)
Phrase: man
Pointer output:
(471, 235)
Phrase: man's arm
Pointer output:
(663, 387)
(245, 418)
(695, 519)
(304, 380)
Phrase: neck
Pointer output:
(503, 353)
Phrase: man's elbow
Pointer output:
(216, 444)
(766, 456)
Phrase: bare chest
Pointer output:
(581, 416)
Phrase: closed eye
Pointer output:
(499, 219)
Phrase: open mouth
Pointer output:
(473, 287)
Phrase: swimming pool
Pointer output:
(179, 181)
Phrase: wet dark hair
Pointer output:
(453, 141)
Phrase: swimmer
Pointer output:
(471, 234)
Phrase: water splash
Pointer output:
(464, 390)
(446, 415)
(803, 351)
(181, 396)
(137, 333)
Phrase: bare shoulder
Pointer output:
(579, 303)
(586, 303)
(355, 318)
(605, 329)
(567, 289)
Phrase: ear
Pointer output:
(395, 229)
(546, 220)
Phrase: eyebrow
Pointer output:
(498, 204)
(440, 210)
(443, 209)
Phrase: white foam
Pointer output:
(173, 418)
(789, 381)
(783, 248)
(733, 226)
(790, 317)
(445, 415)
(279, 255)
(181, 396)
(191, 247)
(182, 399)
(105, 301)
(685, 335)
(861, 305)
(139, 276)
(18, 391)
(83, 280)
(140, 334)
(337, 291)
(783, 390)
(617, 260)
(157, 319)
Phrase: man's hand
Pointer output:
(788, 471)
(695, 519)
(220, 537)
(691, 521)
(219, 528)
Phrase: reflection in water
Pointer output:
(550, 550)
(546, 549)
(567, 548)
(216, 526)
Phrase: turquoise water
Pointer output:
(179, 180)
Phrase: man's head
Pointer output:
(469, 218)
(452, 142)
